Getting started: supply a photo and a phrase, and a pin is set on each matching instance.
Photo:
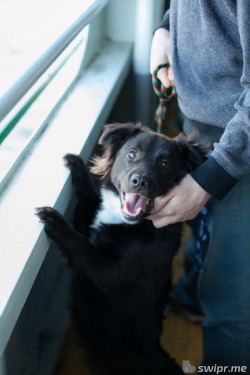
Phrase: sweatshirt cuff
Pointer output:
(165, 22)
(214, 179)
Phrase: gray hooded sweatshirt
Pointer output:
(211, 63)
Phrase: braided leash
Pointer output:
(162, 92)
(202, 237)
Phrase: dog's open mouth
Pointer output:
(134, 206)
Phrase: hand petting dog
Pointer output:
(182, 202)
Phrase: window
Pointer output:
(27, 28)
(66, 115)
(47, 21)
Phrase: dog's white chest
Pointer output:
(110, 210)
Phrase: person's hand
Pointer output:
(160, 54)
(182, 202)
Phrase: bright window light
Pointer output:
(27, 29)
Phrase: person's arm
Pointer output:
(230, 160)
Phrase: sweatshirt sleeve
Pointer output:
(230, 159)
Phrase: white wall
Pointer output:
(135, 21)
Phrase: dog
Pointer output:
(121, 263)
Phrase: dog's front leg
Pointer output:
(80, 252)
(88, 199)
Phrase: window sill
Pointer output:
(42, 179)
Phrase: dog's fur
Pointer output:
(121, 263)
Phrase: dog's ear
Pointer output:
(193, 154)
(112, 139)
(118, 133)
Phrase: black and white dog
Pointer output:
(121, 263)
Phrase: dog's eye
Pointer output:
(132, 155)
(166, 164)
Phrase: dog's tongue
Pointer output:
(135, 203)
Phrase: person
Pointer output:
(207, 44)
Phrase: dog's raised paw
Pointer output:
(72, 161)
(44, 213)
(78, 170)
(54, 222)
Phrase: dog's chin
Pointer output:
(134, 207)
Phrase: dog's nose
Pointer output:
(139, 182)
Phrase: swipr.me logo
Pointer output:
(187, 367)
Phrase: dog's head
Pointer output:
(142, 165)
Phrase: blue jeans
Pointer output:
(222, 290)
